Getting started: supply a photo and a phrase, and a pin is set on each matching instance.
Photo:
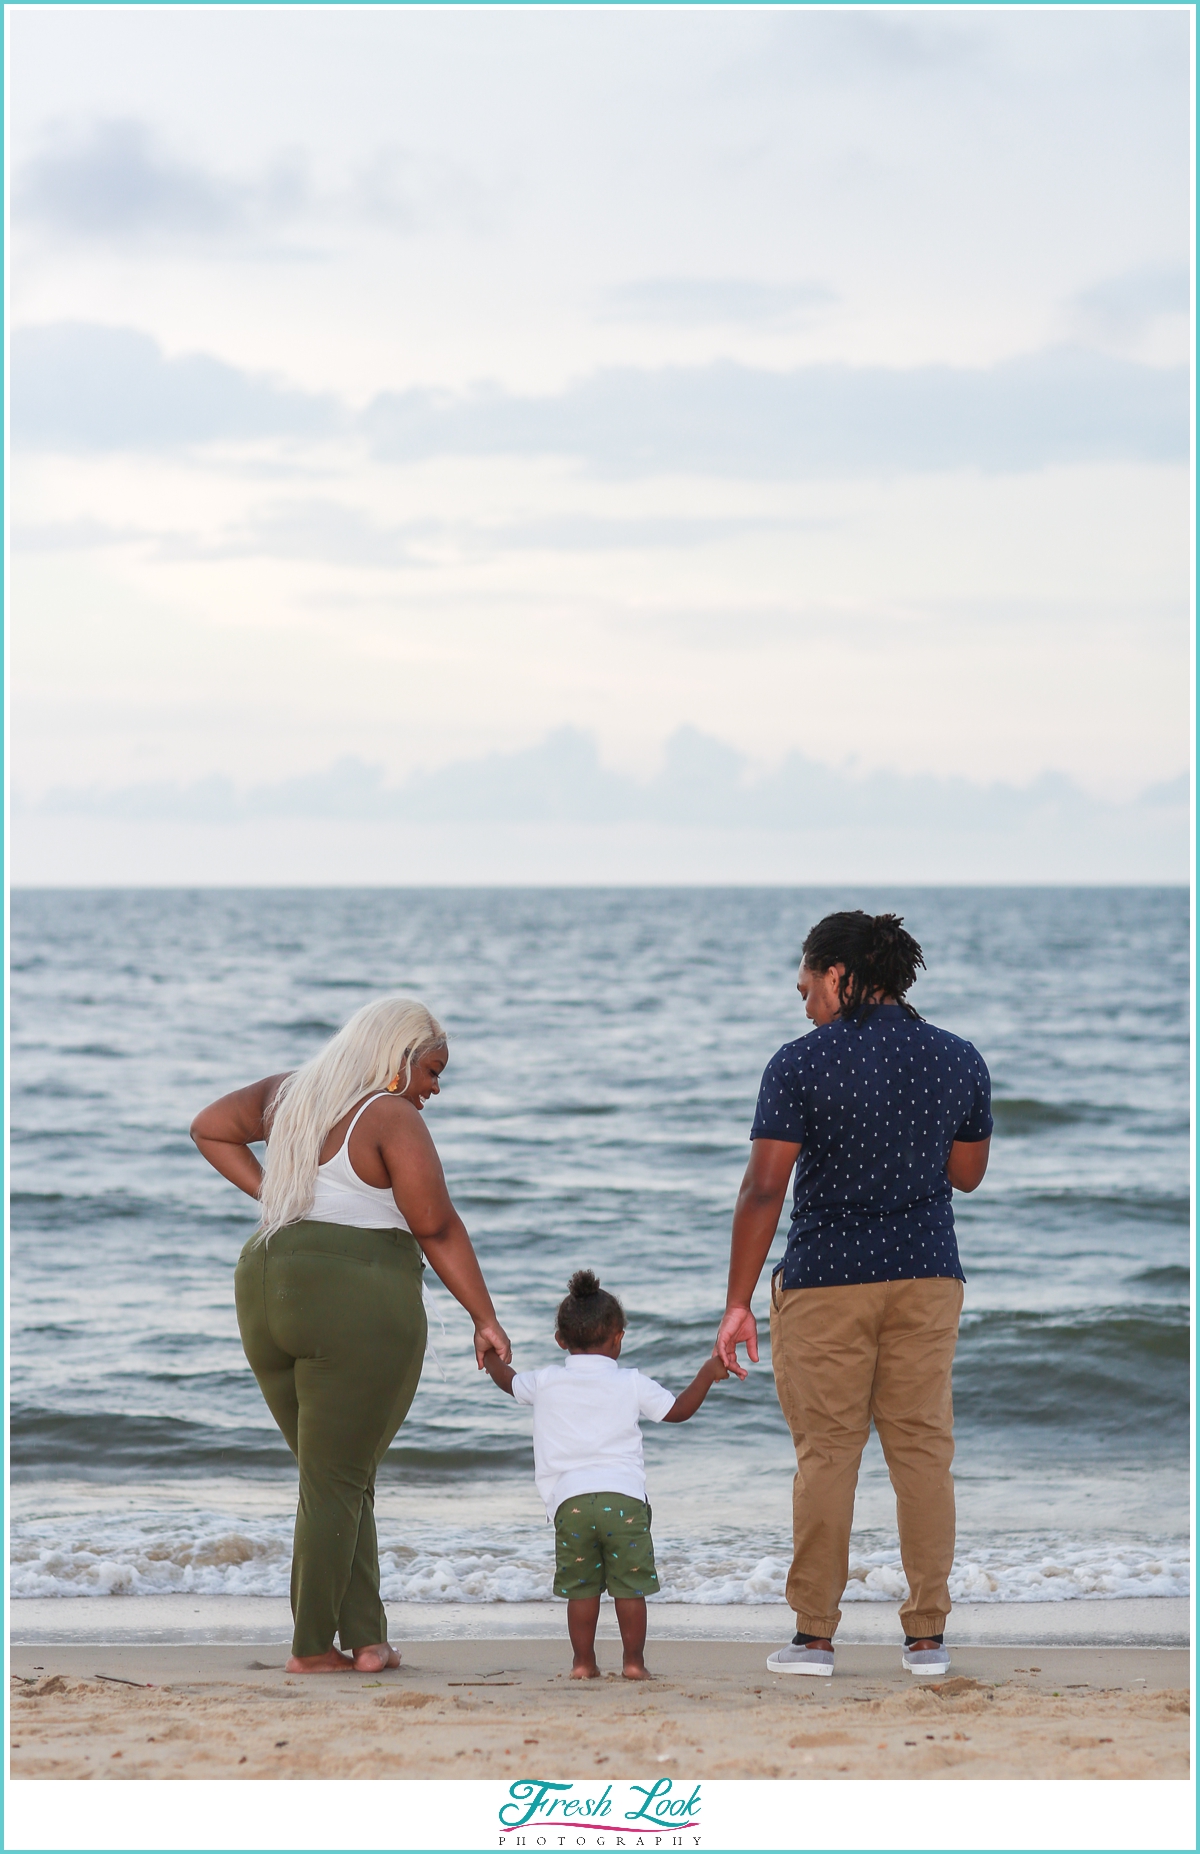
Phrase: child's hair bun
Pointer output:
(589, 1315)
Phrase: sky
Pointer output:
(412, 390)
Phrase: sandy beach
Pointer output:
(484, 1708)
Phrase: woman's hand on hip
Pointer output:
(739, 1327)
(490, 1336)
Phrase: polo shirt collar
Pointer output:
(590, 1362)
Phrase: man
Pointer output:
(880, 1114)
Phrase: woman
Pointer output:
(880, 1114)
(329, 1293)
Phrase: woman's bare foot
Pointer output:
(374, 1659)
(333, 1662)
(635, 1668)
(584, 1667)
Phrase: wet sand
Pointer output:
(480, 1708)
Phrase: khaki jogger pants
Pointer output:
(333, 1326)
(843, 1356)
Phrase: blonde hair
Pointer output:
(379, 1041)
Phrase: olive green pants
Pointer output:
(333, 1326)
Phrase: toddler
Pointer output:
(587, 1453)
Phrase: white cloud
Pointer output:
(84, 387)
(702, 802)
(77, 386)
(715, 301)
(1121, 309)
(109, 179)
(409, 383)
(118, 183)
(825, 420)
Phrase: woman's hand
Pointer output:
(490, 1336)
(739, 1327)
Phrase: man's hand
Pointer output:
(739, 1327)
(490, 1336)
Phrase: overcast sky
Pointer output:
(410, 385)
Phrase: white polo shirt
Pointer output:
(585, 1426)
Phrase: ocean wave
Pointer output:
(1027, 1116)
(204, 1554)
(1071, 1419)
(86, 1444)
(1173, 1277)
(100, 1444)
(996, 1575)
(55, 1210)
(1071, 1380)
(1139, 1206)
(39, 1136)
(1094, 1373)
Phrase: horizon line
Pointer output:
(308, 888)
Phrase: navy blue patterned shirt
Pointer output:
(875, 1108)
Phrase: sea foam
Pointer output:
(203, 1554)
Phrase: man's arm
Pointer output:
(968, 1162)
(711, 1372)
(498, 1371)
(755, 1221)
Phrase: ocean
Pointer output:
(606, 1047)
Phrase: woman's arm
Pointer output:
(419, 1188)
(968, 1162)
(225, 1131)
(755, 1221)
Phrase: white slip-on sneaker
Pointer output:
(924, 1662)
(798, 1659)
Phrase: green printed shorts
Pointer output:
(602, 1542)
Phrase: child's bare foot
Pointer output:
(631, 1620)
(583, 1613)
(332, 1662)
(374, 1659)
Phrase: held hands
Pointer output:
(490, 1336)
(711, 1372)
(739, 1327)
(501, 1373)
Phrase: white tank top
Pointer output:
(341, 1196)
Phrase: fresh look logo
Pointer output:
(663, 1814)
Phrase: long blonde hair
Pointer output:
(379, 1041)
